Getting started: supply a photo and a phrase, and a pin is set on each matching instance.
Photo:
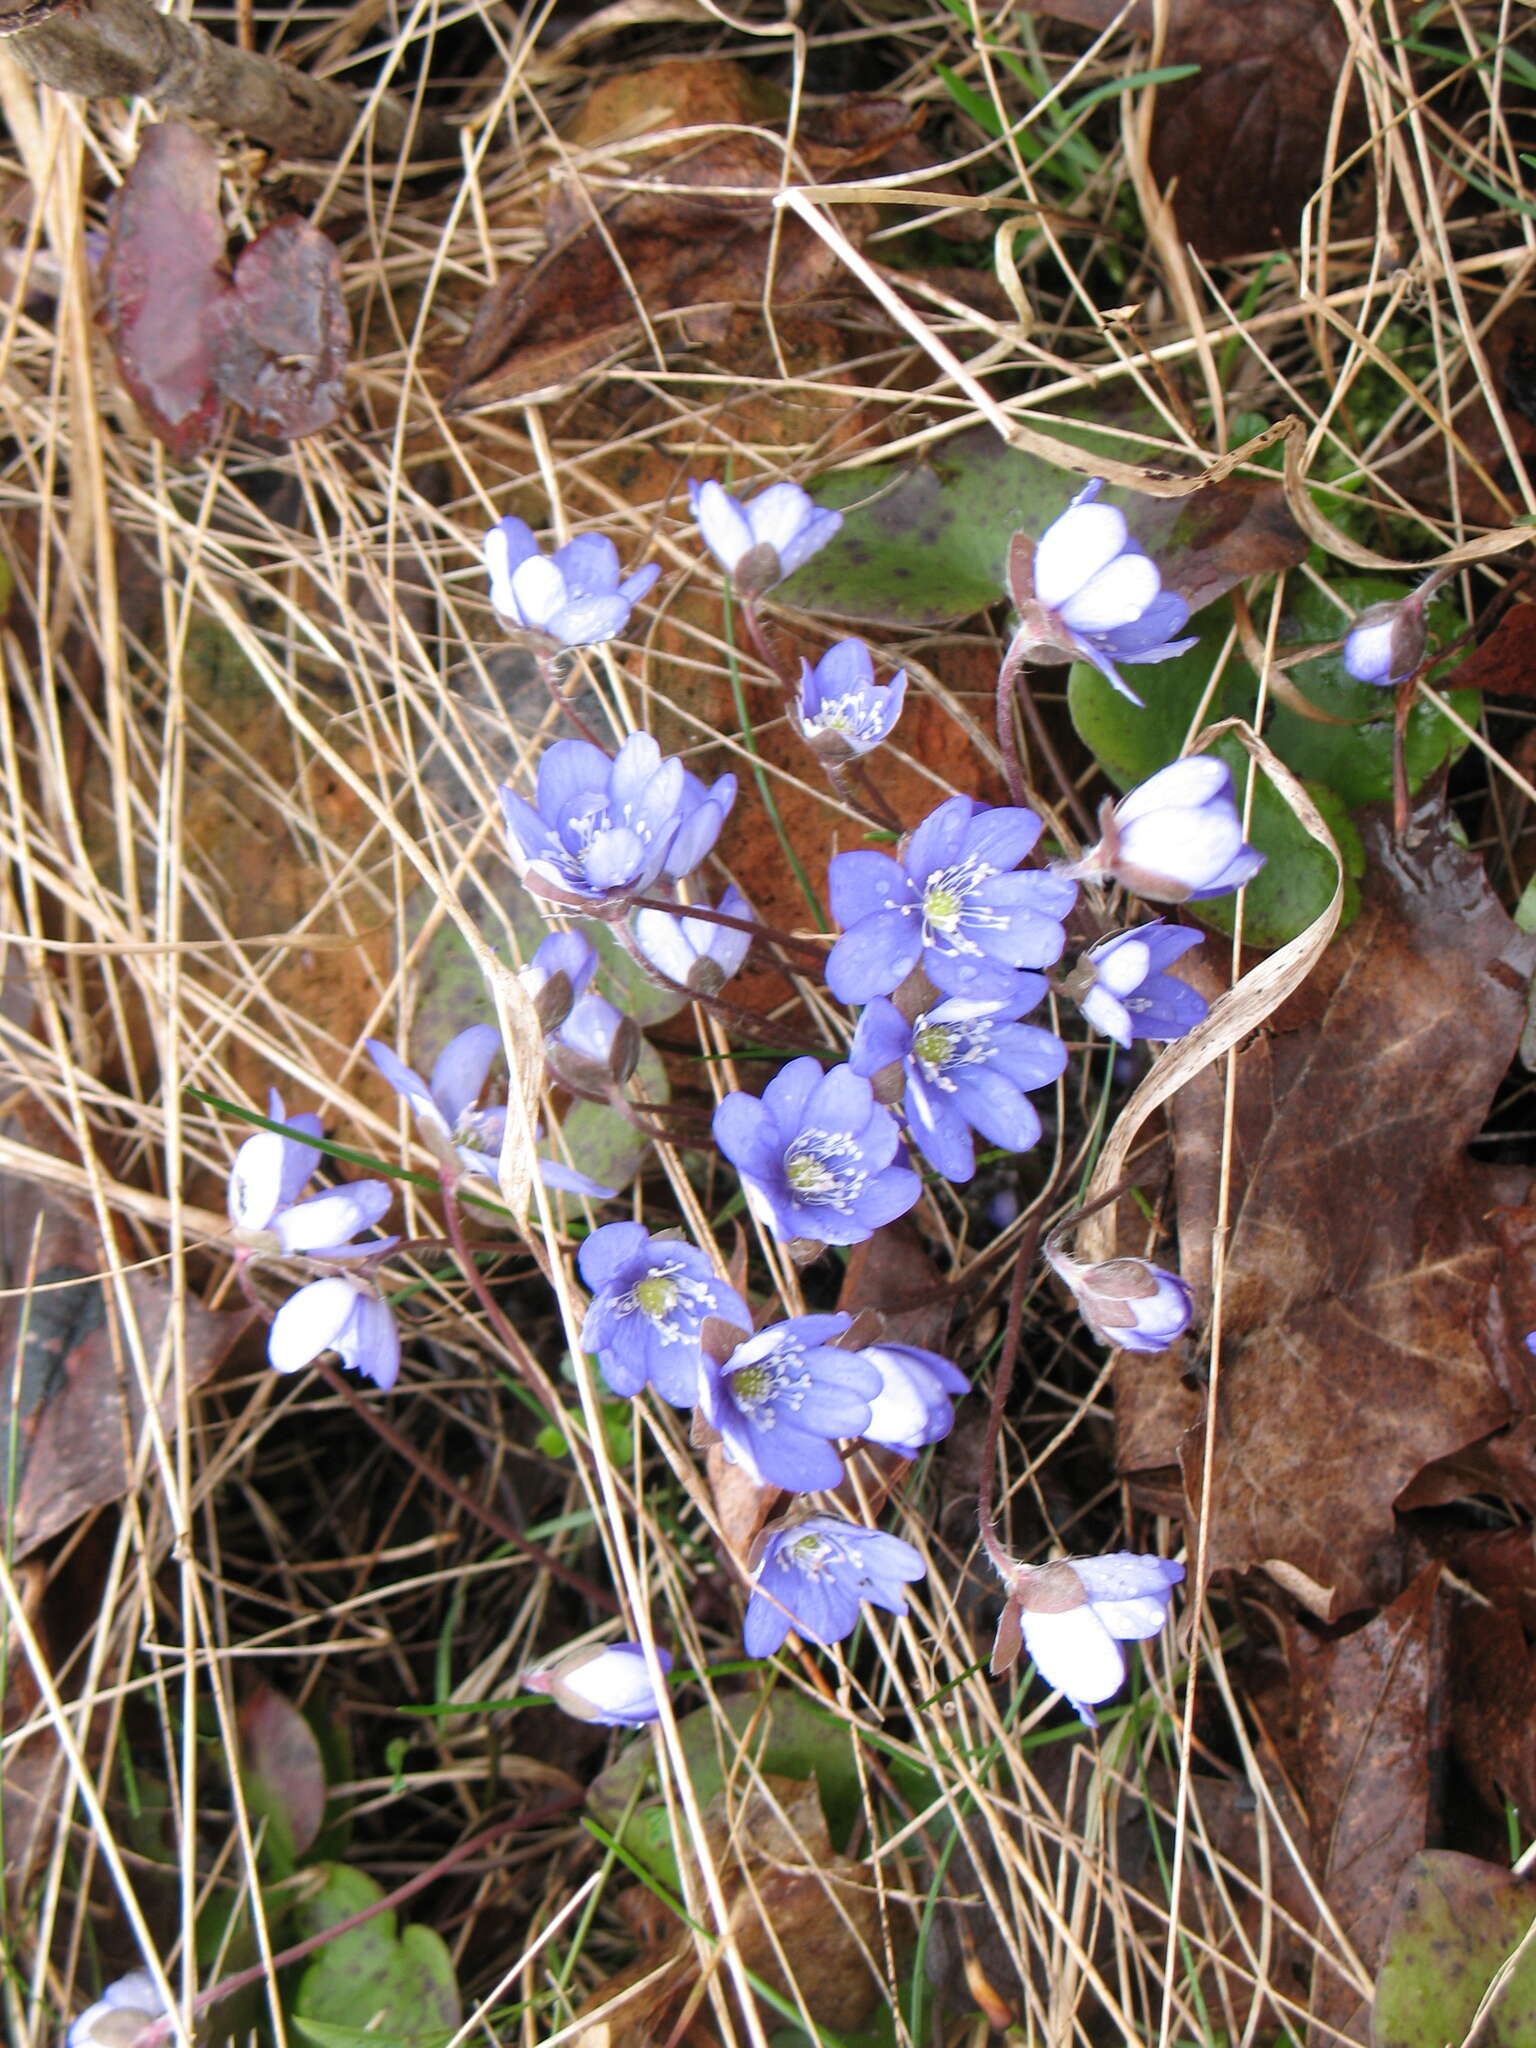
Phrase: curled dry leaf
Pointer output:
(689, 240)
(286, 339)
(1362, 1332)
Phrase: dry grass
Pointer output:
(257, 710)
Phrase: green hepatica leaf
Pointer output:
(1344, 766)
(1296, 883)
(1454, 1922)
(401, 1979)
(604, 1145)
(925, 543)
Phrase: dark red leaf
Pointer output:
(283, 1765)
(286, 339)
(166, 284)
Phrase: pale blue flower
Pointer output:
(120, 2015)
(340, 1314)
(841, 711)
(445, 1107)
(916, 1402)
(650, 1297)
(691, 951)
(783, 1395)
(812, 1576)
(764, 540)
(1074, 1616)
(270, 1171)
(573, 596)
(818, 1157)
(1175, 838)
(1090, 593)
(609, 1684)
(1130, 996)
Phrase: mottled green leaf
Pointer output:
(1454, 1922)
(404, 1979)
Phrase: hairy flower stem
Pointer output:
(487, 1516)
(767, 932)
(1013, 681)
(1002, 1386)
(757, 634)
(769, 1029)
(1407, 691)
(854, 784)
(550, 667)
(256, 1973)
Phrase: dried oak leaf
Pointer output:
(1365, 1708)
(1364, 1335)
(689, 241)
(1505, 663)
(165, 285)
(1245, 143)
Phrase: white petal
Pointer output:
(1125, 968)
(1076, 1653)
(256, 1181)
(1117, 596)
(1182, 785)
(309, 1322)
(726, 532)
(664, 943)
(1084, 540)
(538, 591)
(1105, 1013)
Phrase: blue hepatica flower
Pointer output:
(1387, 641)
(650, 1296)
(1074, 1617)
(340, 1314)
(761, 542)
(916, 1402)
(841, 711)
(558, 973)
(691, 951)
(951, 903)
(604, 830)
(783, 1395)
(1130, 996)
(445, 1107)
(1129, 1304)
(1092, 595)
(267, 1177)
(966, 1066)
(609, 1684)
(120, 2015)
(573, 596)
(812, 1576)
(1175, 839)
(817, 1155)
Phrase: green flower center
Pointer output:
(656, 1295)
(808, 1175)
(934, 1046)
(751, 1384)
(941, 907)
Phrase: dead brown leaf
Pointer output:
(77, 1403)
(804, 1920)
(1244, 144)
(1505, 663)
(1366, 1707)
(1493, 1706)
(1363, 1336)
(688, 241)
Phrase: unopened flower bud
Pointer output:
(556, 975)
(1071, 1618)
(609, 1683)
(760, 543)
(1176, 838)
(595, 1049)
(1128, 1304)
(1387, 642)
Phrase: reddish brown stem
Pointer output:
(1013, 681)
